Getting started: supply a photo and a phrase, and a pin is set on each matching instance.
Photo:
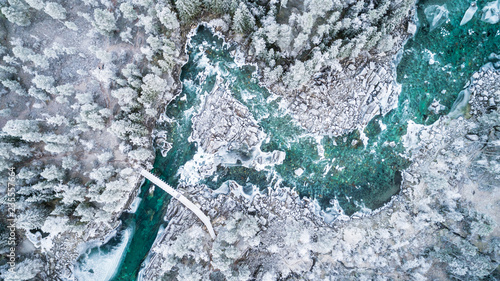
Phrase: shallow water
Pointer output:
(351, 174)
(434, 68)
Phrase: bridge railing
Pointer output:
(177, 195)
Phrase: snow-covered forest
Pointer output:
(83, 83)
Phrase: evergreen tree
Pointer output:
(55, 10)
(25, 270)
(188, 9)
(36, 4)
(243, 20)
(52, 173)
(17, 12)
(153, 88)
(25, 129)
(220, 6)
(15, 87)
(105, 21)
(168, 18)
(127, 98)
(31, 218)
(44, 82)
(128, 11)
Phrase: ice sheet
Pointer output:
(491, 12)
(436, 15)
(102, 266)
(469, 14)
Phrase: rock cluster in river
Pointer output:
(263, 218)
(341, 101)
(345, 97)
(485, 91)
(280, 236)
(224, 121)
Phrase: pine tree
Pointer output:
(94, 115)
(52, 173)
(168, 18)
(17, 12)
(102, 174)
(36, 4)
(243, 20)
(44, 82)
(127, 98)
(128, 11)
(219, 6)
(55, 10)
(188, 9)
(25, 270)
(105, 21)
(153, 88)
(15, 87)
(31, 218)
(319, 7)
(25, 129)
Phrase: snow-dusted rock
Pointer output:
(224, 121)
(412, 28)
(491, 12)
(472, 137)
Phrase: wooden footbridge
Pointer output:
(177, 195)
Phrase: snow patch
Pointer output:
(411, 139)
(135, 204)
(298, 172)
(200, 166)
(469, 13)
(363, 137)
(459, 107)
(383, 127)
(321, 149)
(102, 266)
(491, 12)
(203, 164)
(436, 15)
(430, 56)
(330, 214)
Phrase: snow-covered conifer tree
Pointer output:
(104, 21)
(36, 4)
(168, 18)
(128, 11)
(243, 20)
(188, 8)
(55, 10)
(27, 130)
(17, 12)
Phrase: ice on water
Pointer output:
(469, 14)
(102, 265)
(436, 15)
(491, 12)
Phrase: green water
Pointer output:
(459, 50)
(355, 175)
(149, 216)
(360, 179)
(145, 222)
